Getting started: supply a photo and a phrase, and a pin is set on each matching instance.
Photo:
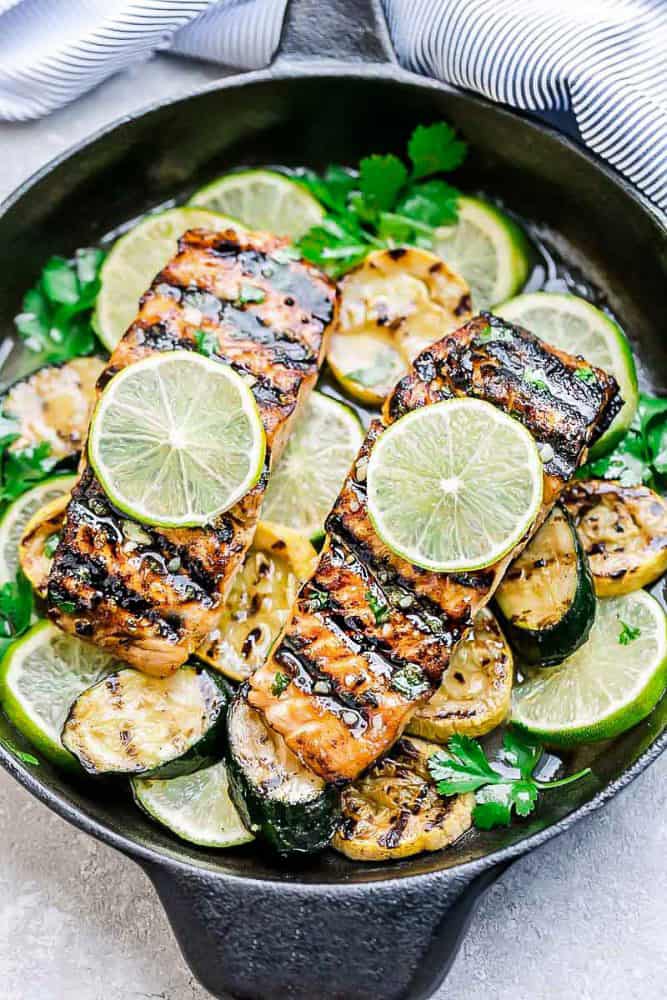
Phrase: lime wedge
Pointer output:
(196, 807)
(136, 258)
(454, 486)
(262, 199)
(488, 249)
(41, 675)
(176, 439)
(311, 470)
(607, 686)
(367, 365)
(575, 326)
(19, 513)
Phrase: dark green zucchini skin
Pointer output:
(549, 646)
(298, 828)
(206, 751)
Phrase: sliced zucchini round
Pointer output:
(546, 601)
(623, 530)
(53, 405)
(132, 723)
(407, 293)
(259, 601)
(395, 810)
(39, 540)
(195, 807)
(278, 798)
(476, 690)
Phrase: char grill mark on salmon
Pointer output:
(371, 634)
(153, 594)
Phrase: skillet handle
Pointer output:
(257, 940)
(338, 30)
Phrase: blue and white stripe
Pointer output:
(601, 62)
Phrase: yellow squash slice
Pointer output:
(38, 542)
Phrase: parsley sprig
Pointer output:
(55, 320)
(16, 606)
(384, 202)
(641, 456)
(464, 767)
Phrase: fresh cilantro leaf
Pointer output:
(434, 203)
(409, 681)
(23, 468)
(434, 149)
(464, 767)
(318, 600)
(628, 633)
(381, 179)
(380, 610)
(26, 758)
(55, 320)
(16, 607)
(280, 683)
(51, 544)
(334, 187)
(535, 378)
(334, 245)
(207, 342)
(9, 430)
(641, 456)
(67, 607)
(585, 375)
(251, 293)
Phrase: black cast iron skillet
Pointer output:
(248, 925)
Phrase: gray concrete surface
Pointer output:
(582, 918)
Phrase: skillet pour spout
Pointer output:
(331, 929)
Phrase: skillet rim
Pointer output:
(467, 870)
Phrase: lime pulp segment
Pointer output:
(454, 486)
(612, 682)
(19, 513)
(176, 439)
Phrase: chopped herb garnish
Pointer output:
(55, 321)
(51, 544)
(536, 379)
(628, 633)
(410, 681)
(207, 342)
(251, 293)
(280, 683)
(68, 607)
(380, 610)
(26, 758)
(384, 202)
(318, 600)
(376, 374)
(464, 767)
(585, 375)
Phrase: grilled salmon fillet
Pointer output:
(371, 634)
(151, 594)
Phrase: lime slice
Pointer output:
(41, 675)
(136, 258)
(262, 199)
(196, 807)
(454, 486)
(311, 470)
(488, 249)
(607, 686)
(176, 439)
(367, 365)
(19, 513)
(574, 325)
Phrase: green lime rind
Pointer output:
(195, 807)
(264, 200)
(563, 321)
(19, 513)
(190, 463)
(136, 258)
(609, 685)
(310, 472)
(463, 464)
(488, 249)
(41, 675)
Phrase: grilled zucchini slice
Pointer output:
(132, 723)
(546, 601)
(476, 690)
(395, 810)
(53, 405)
(259, 602)
(623, 530)
(277, 797)
(39, 540)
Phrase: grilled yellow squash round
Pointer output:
(38, 542)
(395, 810)
(623, 530)
(476, 690)
(259, 602)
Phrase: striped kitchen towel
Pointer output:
(595, 67)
